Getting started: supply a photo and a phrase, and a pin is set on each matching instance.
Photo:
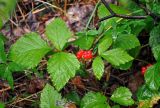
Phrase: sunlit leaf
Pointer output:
(122, 95)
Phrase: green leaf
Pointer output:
(4, 38)
(117, 56)
(122, 95)
(144, 93)
(154, 39)
(84, 42)
(14, 67)
(2, 69)
(126, 42)
(62, 66)
(94, 100)
(92, 32)
(152, 77)
(102, 12)
(104, 44)
(6, 73)
(2, 52)
(29, 50)
(98, 67)
(156, 8)
(73, 97)
(58, 33)
(6, 7)
(156, 52)
(50, 98)
(125, 66)
(8, 76)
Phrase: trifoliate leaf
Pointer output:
(50, 98)
(94, 100)
(126, 42)
(122, 95)
(117, 56)
(29, 50)
(58, 33)
(98, 67)
(62, 66)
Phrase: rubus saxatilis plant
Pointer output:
(30, 49)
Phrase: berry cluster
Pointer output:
(86, 55)
(144, 68)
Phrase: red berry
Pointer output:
(80, 54)
(143, 70)
(87, 55)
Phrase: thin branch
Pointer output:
(148, 12)
(108, 7)
(123, 16)
(107, 17)
(113, 14)
(130, 17)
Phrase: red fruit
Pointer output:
(80, 54)
(143, 70)
(87, 55)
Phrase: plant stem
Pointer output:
(90, 18)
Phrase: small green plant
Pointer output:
(115, 42)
